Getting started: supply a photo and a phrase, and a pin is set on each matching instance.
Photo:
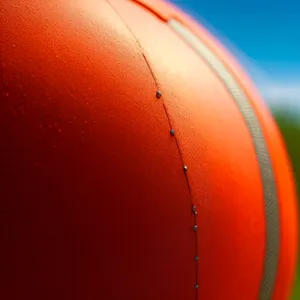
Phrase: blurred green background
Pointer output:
(290, 128)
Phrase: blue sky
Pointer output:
(265, 33)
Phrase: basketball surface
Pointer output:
(138, 161)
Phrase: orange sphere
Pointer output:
(137, 160)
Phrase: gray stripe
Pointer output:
(267, 175)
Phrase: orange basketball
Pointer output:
(137, 160)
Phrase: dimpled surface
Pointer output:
(95, 202)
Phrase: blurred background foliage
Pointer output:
(290, 127)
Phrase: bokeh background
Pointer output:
(265, 38)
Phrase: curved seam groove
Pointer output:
(176, 140)
(265, 164)
(152, 10)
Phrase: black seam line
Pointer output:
(243, 103)
(170, 125)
